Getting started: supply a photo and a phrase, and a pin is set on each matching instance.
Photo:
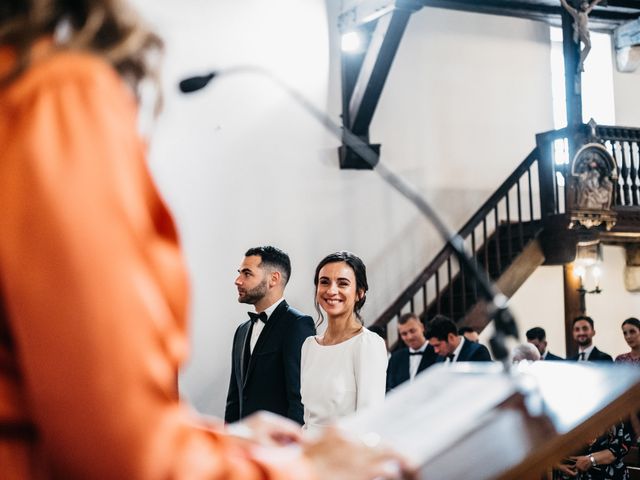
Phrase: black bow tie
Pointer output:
(416, 353)
(451, 356)
(254, 317)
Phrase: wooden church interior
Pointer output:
(540, 214)
(531, 219)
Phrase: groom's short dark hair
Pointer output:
(273, 257)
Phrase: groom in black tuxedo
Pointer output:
(265, 361)
(409, 361)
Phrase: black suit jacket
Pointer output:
(551, 356)
(471, 352)
(595, 356)
(272, 378)
(398, 368)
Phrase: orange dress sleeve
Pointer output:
(94, 289)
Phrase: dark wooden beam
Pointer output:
(361, 12)
(605, 18)
(364, 75)
(572, 307)
(573, 77)
(376, 64)
(627, 35)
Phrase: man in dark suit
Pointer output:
(583, 332)
(265, 368)
(469, 333)
(407, 362)
(538, 338)
(451, 347)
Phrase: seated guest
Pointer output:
(524, 351)
(407, 362)
(469, 333)
(344, 370)
(538, 338)
(600, 460)
(451, 347)
(631, 332)
(583, 333)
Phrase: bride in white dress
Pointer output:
(344, 370)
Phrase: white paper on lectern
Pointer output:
(447, 402)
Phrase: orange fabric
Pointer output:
(93, 291)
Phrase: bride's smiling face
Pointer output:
(337, 292)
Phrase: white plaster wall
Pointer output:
(626, 97)
(463, 101)
(240, 164)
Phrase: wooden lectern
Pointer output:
(477, 421)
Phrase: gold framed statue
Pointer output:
(594, 174)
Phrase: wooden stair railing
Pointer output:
(495, 234)
(515, 214)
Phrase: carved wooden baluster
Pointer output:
(530, 193)
(625, 171)
(619, 162)
(635, 172)
(520, 230)
(438, 296)
(463, 285)
(485, 245)
(509, 235)
(425, 304)
(557, 170)
(474, 254)
(496, 236)
(450, 279)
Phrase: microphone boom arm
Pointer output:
(496, 302)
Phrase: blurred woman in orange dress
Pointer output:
(93, 289)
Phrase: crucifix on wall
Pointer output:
(581, 27)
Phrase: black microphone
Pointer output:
(193, 84)
(496, 303)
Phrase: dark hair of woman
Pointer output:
(108, 28)
(632, 321)
(360, 272)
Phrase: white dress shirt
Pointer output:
(587, 351)
(259, 325)
(456, 352)
(414, 360)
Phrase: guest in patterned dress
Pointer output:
(600, 460)
(631, 332)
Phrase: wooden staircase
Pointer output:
(523, 225)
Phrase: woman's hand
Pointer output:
(267, 429)
(333, 454)
(583, 463)
(337, 456)
(567, 467)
